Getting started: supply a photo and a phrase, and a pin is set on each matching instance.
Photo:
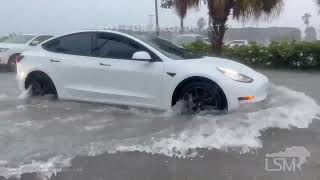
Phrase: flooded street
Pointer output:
(97, 141)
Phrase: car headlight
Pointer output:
(3, 49)
(235, 75)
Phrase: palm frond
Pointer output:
(182, 6)
(255, 9)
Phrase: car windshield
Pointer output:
(19, 39)
(168, 48)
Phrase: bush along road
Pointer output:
(282, 55)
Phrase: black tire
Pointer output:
(41, 85)
(11, 65)
(200, 96)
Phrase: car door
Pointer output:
(71, 65)
(120, 79)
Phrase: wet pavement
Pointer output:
(76, 140)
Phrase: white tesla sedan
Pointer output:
(118, 68)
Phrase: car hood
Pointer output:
(225, 63)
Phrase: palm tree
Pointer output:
(306, 19)
(182, 7)
(220, 10)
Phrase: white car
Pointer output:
(117, 68)
(11, 47)
(236, 43)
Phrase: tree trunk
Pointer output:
(219, 30)
(218, 27)
(181, 25)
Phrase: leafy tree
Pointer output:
(166, 4)
(220, 10)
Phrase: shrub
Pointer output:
(291, 55)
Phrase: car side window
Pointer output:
(74, 44)
(115, 46)
(39, 40)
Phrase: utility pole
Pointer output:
(150, 23)
(157, 18)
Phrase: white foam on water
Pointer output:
(44, 169)
(93, 128)
(25, 94)
(286, 109)
(242, 129)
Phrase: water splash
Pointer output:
(94, 129)
(285, 109)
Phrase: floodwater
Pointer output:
(99, 141)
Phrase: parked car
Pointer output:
(207, 40)
(187, 39)
(237, 43)
(145, 71)
(12, 46)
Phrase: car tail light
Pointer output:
(19, 58)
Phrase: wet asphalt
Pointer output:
(30, 132)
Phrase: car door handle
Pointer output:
(102, 64)
(54, 60)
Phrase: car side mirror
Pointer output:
(34, 43)
(142, 55)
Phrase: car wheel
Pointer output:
(200, 96)
(40, 85)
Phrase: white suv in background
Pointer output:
(237, 43)
(11, 47)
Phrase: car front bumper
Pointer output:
(247, 93)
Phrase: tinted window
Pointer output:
(75, 44)
(115, 46)
(168, 48)
(39, 40)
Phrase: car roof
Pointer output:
(35, 35)
(127, 34)
(96, 30)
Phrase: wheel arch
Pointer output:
(191, 79)
(41, 73)
(13, 55)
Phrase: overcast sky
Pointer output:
(60, 16)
